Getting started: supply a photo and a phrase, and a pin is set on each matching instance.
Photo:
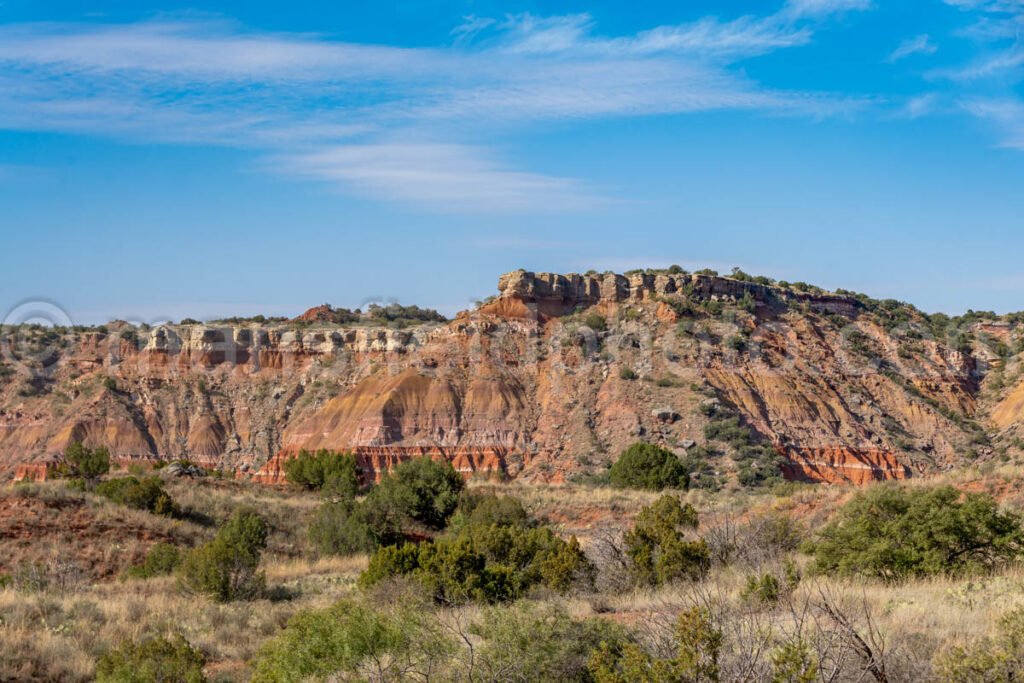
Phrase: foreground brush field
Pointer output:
(757, 611)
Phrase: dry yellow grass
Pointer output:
(293, 569)
(58, 635)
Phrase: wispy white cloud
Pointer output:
(706, 39)
(1003, 64)
(993, 20)
(920, 105)
(459, 177)
(471, 26)
(331, 110)
(997, 6)
(921, 44)
(1007, 114)
(201, 50)
(820, 8)
(986, 86)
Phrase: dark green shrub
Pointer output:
(88, 463)
(141, 494)
(453, 571)
(646, 466)
(486, 509)
(698, 642)
(626, 373)
(423, 490)
(162, 559)
(759, 466)
(541, 642)
(335, 473)
(352, 641)
(736, 343)
(999, 658)
(698, 461)
(227, 568)
(564, 565)
(793, 661)
(893, 533)
(764, 589)
(658, 548)
(154, 660)
(596, 322)
(485, 564)
(343, 528)
(390, 561)
(729, 430)
(400, 316)
(684, 328)
(136, 469)
(418, 493)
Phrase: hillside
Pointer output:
(745, 377)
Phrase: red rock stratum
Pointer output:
(552, 377)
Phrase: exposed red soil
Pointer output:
(34, 529)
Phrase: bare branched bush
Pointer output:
(856, 647)
(754, 542)
(607, 551)
(61, 576)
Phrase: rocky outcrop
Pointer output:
(323, 313)
(521, 385)
(544, 295)
(34, 471)
(843, 465)
(373, 461)
(1009, 412)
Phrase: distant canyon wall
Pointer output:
(523, 386)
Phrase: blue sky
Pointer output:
(169, 159)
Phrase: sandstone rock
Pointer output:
(499, 389)
(176, 469)
(665, 415)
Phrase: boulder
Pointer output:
(665, 415)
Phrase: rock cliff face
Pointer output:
(552, 377)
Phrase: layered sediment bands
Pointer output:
(842, 465)
(473, 419)
(522, 385)
(543, 295)
(34, 471)
(373, 461)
